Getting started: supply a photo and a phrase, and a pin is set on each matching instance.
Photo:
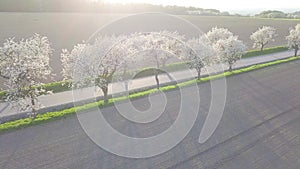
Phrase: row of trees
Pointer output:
(25, 63)
(266, 34)
(278, 14)
(97, 63)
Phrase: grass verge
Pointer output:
(64, 113)
(266, 51)
(55, 87)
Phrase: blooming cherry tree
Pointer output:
(263, 36)
(230, 50)
(24, 64)
(227, 46)
(157, 42)
(160, 47)
(68, 60)
(294, 39)
(216, 34)
(96, 63)
(200, 55)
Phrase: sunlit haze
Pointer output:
(220, 4)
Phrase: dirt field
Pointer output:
(64, 30)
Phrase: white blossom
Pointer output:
(96, 63)
(24, 64)
(263, 36)
(230, 50)
(159, 47)
(200, 55)
(294, 39)
(216, 34)
(68, 60)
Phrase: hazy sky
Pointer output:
(223, 4)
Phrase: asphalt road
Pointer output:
(260, 128)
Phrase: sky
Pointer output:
(223, 5)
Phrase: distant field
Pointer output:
(67, 29)
(244, 26)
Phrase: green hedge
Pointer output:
(55, 87)
(266, 51)
(2, 94)
(63, 113)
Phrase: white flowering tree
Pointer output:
(216, 34)
(263, 36)
(199, 55)
(173, 42)
(230, 50)
(227, 46)
(294, 39)
(68, 60)
(96, 63)
(160, 47)
(24, 64)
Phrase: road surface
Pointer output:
(260, 128)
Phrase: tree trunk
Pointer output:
(105, 94)
(157, 70)
(199, 74)
(296, 51)
(230, 67)
(164, 63)
(156, 79)
(262, 48)
(126, 85)
(33, 110)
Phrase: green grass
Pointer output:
(2, 94)
(266, 51)
(169, 68)
(71, 111)
(55, 87)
